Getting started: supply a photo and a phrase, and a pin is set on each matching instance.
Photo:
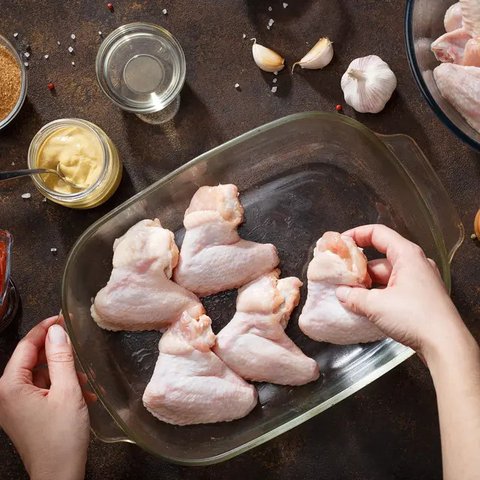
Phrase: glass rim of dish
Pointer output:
(23, 82)
(415, 69)
(104, 53)
(39, 139)
(402, 352)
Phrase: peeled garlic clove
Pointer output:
(319, 56)
(368, 84)
(266, 59)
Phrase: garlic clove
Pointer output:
(476, 225)
(266, 59)
(319, 56)
(368, 84)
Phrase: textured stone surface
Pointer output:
(389, 430)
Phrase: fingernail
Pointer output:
(343, 292)
(57, 335)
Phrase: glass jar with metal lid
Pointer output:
(141, 68)
(84, 151)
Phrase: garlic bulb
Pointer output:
(368, 84)
(266, 59)
(319, 56)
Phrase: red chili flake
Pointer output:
(51, 86)
(338, 108)
(110, 6)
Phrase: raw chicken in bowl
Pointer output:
(440, 31)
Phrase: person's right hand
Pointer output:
(414, 307)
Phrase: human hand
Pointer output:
(414, 307)
(44, 411)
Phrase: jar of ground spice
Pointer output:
(13, 82)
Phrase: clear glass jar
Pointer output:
(102, 189)
(23, 79)
(141, 68)
(9, 299)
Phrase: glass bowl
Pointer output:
(298, 177)
(24, 82)
(141, 67)
(423, 25)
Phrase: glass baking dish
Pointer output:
(298, 176)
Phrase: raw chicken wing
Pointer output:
(461, 43)
(190, 384)
(140, 294)
(213, 257)
(336, 261)
(453, 17)
(471, 16)
(450, 47)
(254, 343)
(461, 87)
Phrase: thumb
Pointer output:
(355, 299)
(60, 359)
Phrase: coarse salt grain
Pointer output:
(237, 86)
(275, 80)
(72, 36)
(274, 89)
(26, 64)
(13, 164)
(15, 35)
(73, 64)
(26, 54)
(100, 33)
(26, 196)
(164, 11)
(244, 36)
(275, 73)
(53, 250)
(44, 200)
(270, 9)
(271, 22)
(58, 42)
(45, 57)
(285, 5)
(70, 49)
(268, 27)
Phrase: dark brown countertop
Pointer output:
(389, 430)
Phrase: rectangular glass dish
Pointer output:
(298, 177)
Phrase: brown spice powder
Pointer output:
(10, 82)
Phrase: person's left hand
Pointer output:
(44, 411)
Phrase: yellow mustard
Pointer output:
(79, 153)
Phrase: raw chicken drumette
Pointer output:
(461, 87)
(213, 257)
(254, 343)
(140, 294)
(190, 384)
(461, 43)
(336, 261)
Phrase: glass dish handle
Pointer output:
(104, 426)
(421, 173)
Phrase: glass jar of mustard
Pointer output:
(85, 156)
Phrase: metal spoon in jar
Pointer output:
(35, 171)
